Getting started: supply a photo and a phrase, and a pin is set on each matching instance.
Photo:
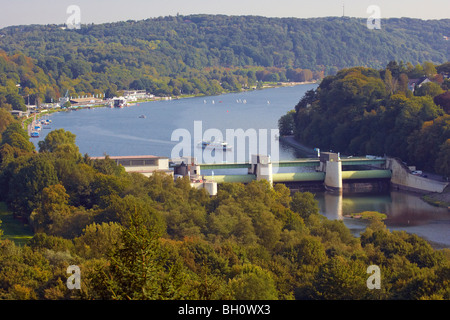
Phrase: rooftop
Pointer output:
(129, 157)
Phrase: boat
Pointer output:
(119, 102)
(35, 134)
(142, 116)
(214, 145)
(46, 123)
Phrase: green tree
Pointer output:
(286, 124)
(389, 82)
(429, 89)
(16, 101)
(139, 269)
(311, 251)
(341, 279)
(52, 212)
(59, 140)
(442, 164)
(429, 68)
(17, 138)
(254, 283)
(27, 182)
(5, 120)
(98, 240)
(304, 204)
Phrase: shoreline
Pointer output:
(29, 119)
(440, 200)
(290, 140)
(265, 86)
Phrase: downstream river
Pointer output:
(147, 129)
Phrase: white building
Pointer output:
(146, 165)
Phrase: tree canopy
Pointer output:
(137, 237)
(361, 111)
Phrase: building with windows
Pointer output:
(146, 165)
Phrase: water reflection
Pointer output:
(405, 211)
(332, 205)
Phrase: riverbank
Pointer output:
(441, 200)
(26, 122)
(307, 151)
(265, 85)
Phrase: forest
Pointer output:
(364, 111)
(153, 238)
(204, 54)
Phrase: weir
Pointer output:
(328, 172)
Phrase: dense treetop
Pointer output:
(137, 237)
(362, 111)
(200, 41)
(210, 54)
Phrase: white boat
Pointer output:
(119, 102)
(214, 145)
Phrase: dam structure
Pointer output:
(326, 171)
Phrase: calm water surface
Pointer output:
(405, 211)
(122, 132)
(116, 132)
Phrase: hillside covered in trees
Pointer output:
(135, 237)
(362, 111)
(207, 54)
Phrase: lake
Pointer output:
(118, 132)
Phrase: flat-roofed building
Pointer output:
(146, 165)
(78, 101)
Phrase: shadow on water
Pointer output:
(405, 211)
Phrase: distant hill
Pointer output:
(149, 53)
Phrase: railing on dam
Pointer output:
(319, 175)
(294, 163)
(213, 166)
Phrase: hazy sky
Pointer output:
(18, 12)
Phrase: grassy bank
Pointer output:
(438, 199)
(367, 215)
(13, 229)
